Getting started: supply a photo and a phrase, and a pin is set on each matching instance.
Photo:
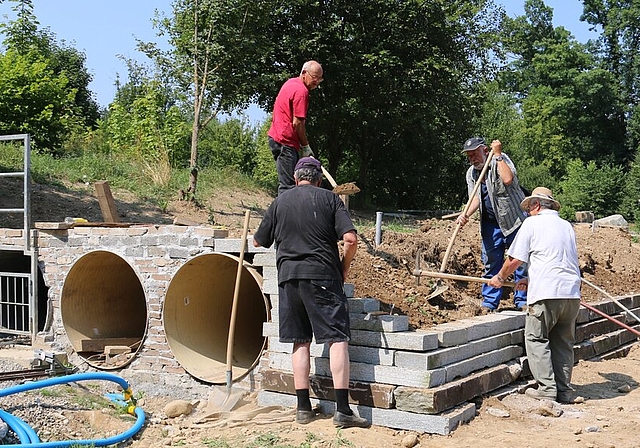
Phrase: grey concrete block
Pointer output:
(269, 272)
(270, 329)
(370, 373)
(451, 334)
(363, 305)
(404, 340)
(349, 289)
(491, 359)
(441, 357)
(275, 346)
(367, 355)
(383, 322)
(492, 324)
(270, 286)
(232, 245)
(265, 259)
(442, 424)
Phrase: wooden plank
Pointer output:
(115, 354)
(179, 221)
(99, 345)
(53, 225)
(102, 224)
(107, 204)
(321, 387)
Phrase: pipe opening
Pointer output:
(197, 313)
(104, 310)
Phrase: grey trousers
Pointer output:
(550, 332)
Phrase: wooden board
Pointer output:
(98, 345)
(107, 204)
(368, 394)
(67, 225)
(53, 225)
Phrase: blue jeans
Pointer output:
(494, 246)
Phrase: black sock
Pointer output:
(342, 401)
(304, 404)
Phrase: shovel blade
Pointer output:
(438, 289)
(349, 188)
(223, 399)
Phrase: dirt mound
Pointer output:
(608, 258)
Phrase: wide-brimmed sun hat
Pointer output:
(540, 193)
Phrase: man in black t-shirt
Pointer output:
(306, 223)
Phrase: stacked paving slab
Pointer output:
(425, 380)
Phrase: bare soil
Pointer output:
(609, 257)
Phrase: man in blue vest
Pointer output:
(498, 200)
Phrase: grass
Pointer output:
(272, 440)
(397, 225)
(156, 183)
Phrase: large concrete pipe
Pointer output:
(103, 306)
(197, 312)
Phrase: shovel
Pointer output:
(440, 286)
(224, 401)
(344, 189)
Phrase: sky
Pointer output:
(104, 29)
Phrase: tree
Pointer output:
(22, 37)
(569, 105)
(144, 122)
(631, 196)
(35, 100)
(399, 93)
(620, 45)
(216, 47)
(593, 188)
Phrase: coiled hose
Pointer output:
(28, 436)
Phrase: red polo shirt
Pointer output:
(292, 101)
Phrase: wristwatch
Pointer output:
(500, 158)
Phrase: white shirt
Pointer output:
(547, 243)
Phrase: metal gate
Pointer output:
(15, 292)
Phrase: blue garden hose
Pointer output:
(28, 436)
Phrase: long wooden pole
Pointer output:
(466, 209)
(234, 305)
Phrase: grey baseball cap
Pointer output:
(473, 143)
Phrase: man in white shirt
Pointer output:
(547, 243)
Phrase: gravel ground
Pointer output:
(76, 411)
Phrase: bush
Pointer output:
(599, 190)
(631, 200)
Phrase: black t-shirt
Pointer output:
(306, 222)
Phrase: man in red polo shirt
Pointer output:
(287, 135)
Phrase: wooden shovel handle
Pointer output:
(464, 278)
(466, 209)
(234, 305)
(329, 177)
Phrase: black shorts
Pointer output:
(313, 308)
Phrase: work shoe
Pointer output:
(522, 308)
(349, 421)
(486, 310)
(535, 393)
(570, 398)
(303, 417)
